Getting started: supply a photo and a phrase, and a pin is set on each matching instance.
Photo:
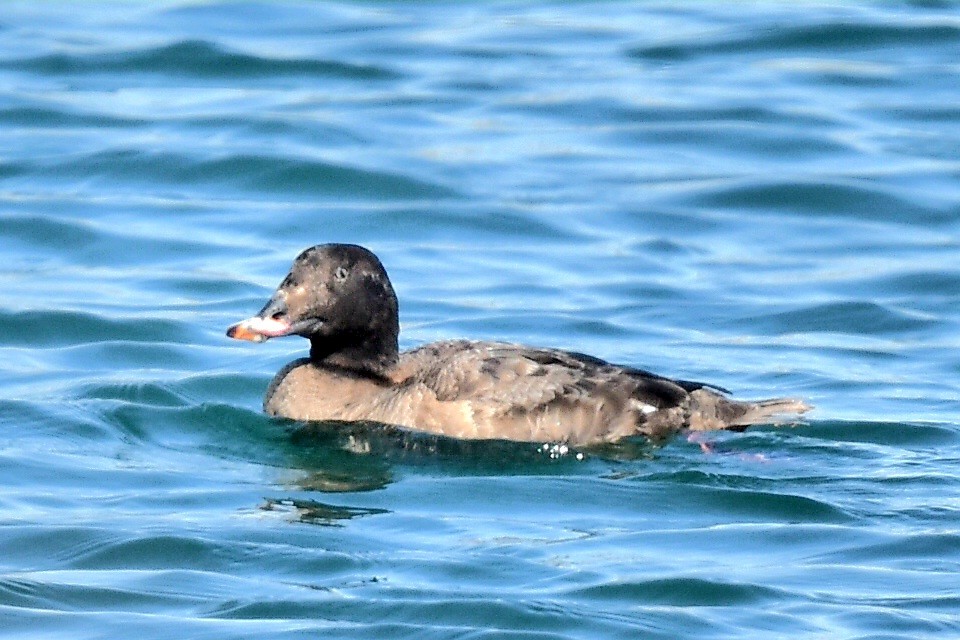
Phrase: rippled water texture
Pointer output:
(762, 195)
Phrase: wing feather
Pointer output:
(514, 378)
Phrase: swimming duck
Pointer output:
(339, 297)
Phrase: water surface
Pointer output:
(758, 195)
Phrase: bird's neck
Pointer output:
(373, 354)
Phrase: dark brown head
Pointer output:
(338, 296)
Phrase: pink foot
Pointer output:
(701, 439)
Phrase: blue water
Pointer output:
(762, 195)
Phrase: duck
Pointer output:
(340, 298)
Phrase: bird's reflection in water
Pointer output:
(316, 512)
(363, 456)
(355, 457)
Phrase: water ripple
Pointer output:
(827, 37)
(197, 59)
(255, 173)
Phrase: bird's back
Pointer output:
(513, 392)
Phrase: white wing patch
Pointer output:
(645, 409)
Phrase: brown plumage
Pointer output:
(339, 296)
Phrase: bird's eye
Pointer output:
(341, 273)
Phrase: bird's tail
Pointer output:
(710, 411)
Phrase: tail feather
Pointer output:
(710, 411)
(774, 411)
